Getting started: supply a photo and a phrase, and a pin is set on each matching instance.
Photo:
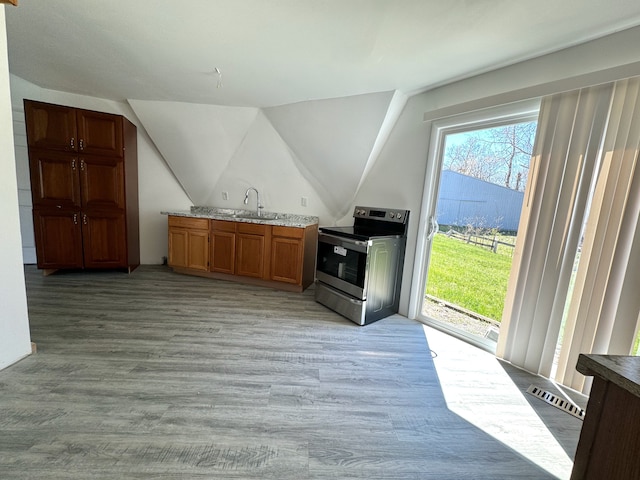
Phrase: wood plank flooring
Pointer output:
(164, 376)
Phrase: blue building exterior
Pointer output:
(465, 200)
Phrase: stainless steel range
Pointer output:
(359, 268)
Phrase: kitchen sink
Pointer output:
(231, 213)
(255, 216)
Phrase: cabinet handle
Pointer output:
(81, 144)
(73, 142)
(73, 164)
(82, 165)
(75, 218)
(84, 218)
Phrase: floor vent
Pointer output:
(556, 401)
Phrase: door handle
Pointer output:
(433, 227)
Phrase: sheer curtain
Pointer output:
(570, 130)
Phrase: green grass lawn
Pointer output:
(470, 276)
(473, 277)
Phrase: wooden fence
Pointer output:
(488, 242)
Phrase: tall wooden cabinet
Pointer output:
(84, 186)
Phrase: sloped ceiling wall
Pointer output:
(332, 140)
(320, 149)
(197, 141)
(264, 161)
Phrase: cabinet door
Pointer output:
(223, 252)
(54, 179)
(189, 242)
(286, 260)
(50, 126)
(99, 133)
(58, 236)
(104, 239)
(102, 182)
(178, 241)
(250, 255)
(198, 250)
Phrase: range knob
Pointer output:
(399, 216)
(392, 215)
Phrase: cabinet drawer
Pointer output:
(223, 226)
(252, 228)
(189, 222)
(288, 232)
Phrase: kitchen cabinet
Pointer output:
(58, 238)
(63, 180)
(103, 237)
(54, 179)
(189, 243)
(293, 254)
(51, 127)
(84, 187)
(223, 246)
(287, 249)
(262, 254)
(57, 127)
(77, 239)
(251, 249)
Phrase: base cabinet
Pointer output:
(103, 237)
(252, 241)
(58, 238)
(287, 254)
(189, 243)
(223, 247)
(276, 256)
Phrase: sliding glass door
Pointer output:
(475, 195)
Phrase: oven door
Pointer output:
(342, 263)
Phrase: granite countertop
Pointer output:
(247, 216)
(622, 370)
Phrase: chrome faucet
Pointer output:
(258, 204)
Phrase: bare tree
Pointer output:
(513, 144)
(496, 155)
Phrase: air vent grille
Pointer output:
(556, 401)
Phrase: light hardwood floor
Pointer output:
(164, 376)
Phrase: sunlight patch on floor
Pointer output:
(478, 389)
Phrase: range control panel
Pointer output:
(384, 214)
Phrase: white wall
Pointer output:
(157, 187)
(14, 321)
(264, 157)
(319, 149)
(264, 161)
(398, 176)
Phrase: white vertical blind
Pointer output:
(605, 305)
(564, 162)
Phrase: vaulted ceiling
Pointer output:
(274, 52)
(322, 81)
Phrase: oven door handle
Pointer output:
(347, 243)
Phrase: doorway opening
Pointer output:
(473, 199)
